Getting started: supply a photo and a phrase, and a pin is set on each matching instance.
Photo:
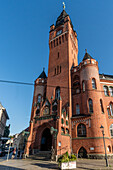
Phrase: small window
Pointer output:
(108, 110)
(77, 109)
(83, 86)
(66, 37)
(62, 130)
(111, 91)
(67, 131)
(90, 106)
(81, 130)
(106, 91)
(57, 69)
(60, 69)
(111, 109)
(39, 98)
(111, 130)
(77, 90)
(93, 83)
(62, 38)
(59, 40)
(101, 105)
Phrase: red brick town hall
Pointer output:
(72, 102)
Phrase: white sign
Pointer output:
(92, 149)
(59, 143)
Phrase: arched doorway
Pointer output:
(46, 141)
(82, 153)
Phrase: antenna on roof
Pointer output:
(64, 6)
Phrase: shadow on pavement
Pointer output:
(3, 167)
(49, 166)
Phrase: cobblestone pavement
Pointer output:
(82, 164)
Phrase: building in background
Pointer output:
(70, 105)
(3, 118)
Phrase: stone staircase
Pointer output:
(41, 155)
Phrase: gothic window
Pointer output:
(90, 105)
(111, 130)
(93, 83)
(67, 131)
(101, 105)
(57, 94)
(111, 91)
(81, 130)
(51, 44)
(108, 110)
(37, 111)
(62, 130)
(106, 91)
(54, 107)
(83, 86)
(77, 109)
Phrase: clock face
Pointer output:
(46, 111)
(59, 32)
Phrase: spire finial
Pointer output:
(64, 6)
(85, 50)
(43, 68)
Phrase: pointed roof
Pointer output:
(43, 75)
(87, 56)
(60, 19)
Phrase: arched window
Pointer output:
(39, 98)
(81, 130)
(111, 109)
(111, 91)
(57, 94)
(77, 109)
(101, 105)
(106, 91)
(93, 83)
(90, 105)
(83, 86)
(111, 130)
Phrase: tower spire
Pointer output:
(64, 6)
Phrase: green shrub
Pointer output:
(66, 158)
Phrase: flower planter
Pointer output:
(68, 165)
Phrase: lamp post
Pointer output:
(102, 129)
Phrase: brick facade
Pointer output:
(72, 99)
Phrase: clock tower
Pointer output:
(63, 55)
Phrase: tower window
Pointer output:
(83, 86)
(93, 83)
(58, 54)
(62, 38)
(111, 109)
(66, 37)
(90, 105)
(57, 94)
(39, 98)
(77, 109)
(101, 105)
(59, 40)
(57, 69)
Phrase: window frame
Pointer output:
(81, 130)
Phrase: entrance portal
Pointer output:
(82, 153)
(46, 141)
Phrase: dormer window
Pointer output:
(39, 98)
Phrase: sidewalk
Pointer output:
(82, 164)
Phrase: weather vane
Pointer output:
(64, 6)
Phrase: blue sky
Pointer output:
(24, 50)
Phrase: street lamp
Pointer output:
(102, 129)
